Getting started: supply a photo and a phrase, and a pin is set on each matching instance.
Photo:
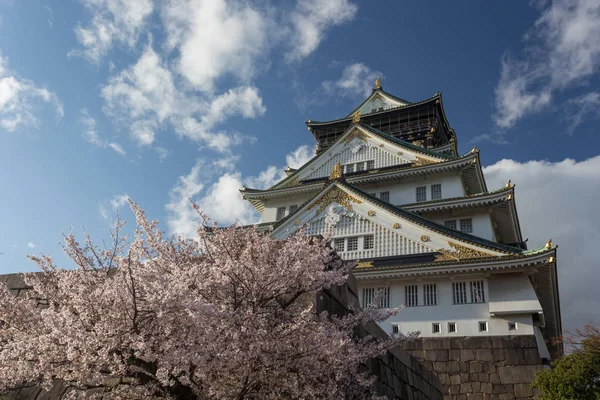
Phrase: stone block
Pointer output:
(532, 357)
(498, 355)
(486, 387)
(444, 379)
(494, 378)
(29, 393)
(455, 380)
(464, 377)
(466, 388)
(523, 390)
(431, 355)
(467, 355)
(442, 355)
(484, 354)
(498, 389)
(475, 367)
(454, 389)
(476, 386)
(499, 342)
(506, 396)
(464, 367)
(453, 367)
(453, 355)
(476, 396)
(514, 357)
(56, 392)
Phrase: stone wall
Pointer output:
(399, 375)
(486, 368)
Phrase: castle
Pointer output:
(389, 185)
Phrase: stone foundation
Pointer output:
(486, 368)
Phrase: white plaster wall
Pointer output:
(270, 211)
(482, 223)
(405, 191)
(467, 316)
(377, 102)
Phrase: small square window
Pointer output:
(293, 209)
(395, 329)
(352, 243)
(421, 193)
(451, 327)
(360, 166)
(371, 164)
(512, 326)
(349, 168)
(436, 191)
(466, 225)
(280, 213)
(450, 224)
(339, 244)
(435, 327)
(368, 242)
(483, 326)
(385, 196)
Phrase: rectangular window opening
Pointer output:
(466, 225)
(483, 326)
(477, 292)
(371, 164)
(436, 191)
(435, 327)
(512, 326)
(412, 296)
(459, 292)
(385, 196)
(280, 213)
(451, 327)
(450, 224)
(422, 193)
(339, 244)
(293, 209)
(430, 294)
(368, 242)
(360, 166)
(352, 243)
(395, 329)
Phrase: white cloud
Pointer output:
(300, 156)
(114, 204)
(581, 107)
(562, 51)
(558, 201)
(215, 188)
(31, 245)
(217, 37)
(50, 16)
(356, 80)
(112, 21)
(146, 97)
(90, 133)
(18, 98)
(310, 21)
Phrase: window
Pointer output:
(477, 292)
(352, 243)
(280, 213)
(429, 294)
(450, 224)
(435, 327)
(373, 194)
(385, 196)
(421, 193)
(371, 164)
(466, 225)
(339, 244)
(293, 209)
(451, 327)
(483, 326)
(436, 191)
(459, 292)
(412, 296)
(395, 329)
(349, 168)
(368, 242)
(512, 326)
(378, 297)
(360, 166)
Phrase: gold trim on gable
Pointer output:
(356, 134)
(335, 195)
(460, 252)
(423, 161)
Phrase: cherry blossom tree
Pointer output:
(228, 315)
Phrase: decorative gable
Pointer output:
(379, 102)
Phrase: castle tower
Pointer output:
(388, 184)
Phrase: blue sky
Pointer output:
(165, 101)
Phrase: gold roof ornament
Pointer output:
(507, 184)
(377, 84)
(336, 172)
(549, 244)
(474, 149)
(356, 117)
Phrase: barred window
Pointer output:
(371, 164)
(477, 292)
(436, 191)
(352, 243)
(466, 225)
(280, 213)
(395, 329)
(512, 326)
(339, 244)
(483, 326)
(360, 166)
(435, 327)
(451, 327)
(385, 196)
(412, 295)
(348, 168)
(450, 224)
(422, 193)
(378, 297)
(293, 209)
(459, 292)
(368, 242)
(430, 294)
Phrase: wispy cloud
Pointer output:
(111, 205)
(580, 108)
(562, 50)
(50, 16)
(112, 21)
(310, 22)
(91, 135)
(356, 80)
(31, 245)
(19, 97)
